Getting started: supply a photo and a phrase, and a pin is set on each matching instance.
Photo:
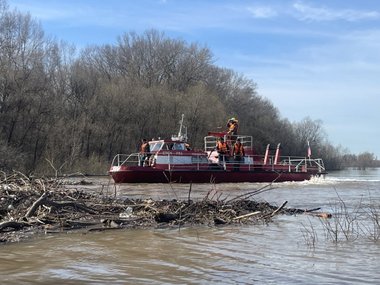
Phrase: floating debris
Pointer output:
(32, 206)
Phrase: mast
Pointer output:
(181, 136)
(180, 126)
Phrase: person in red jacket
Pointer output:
(238, 153)
(223, 150)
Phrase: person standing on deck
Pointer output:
(238, 153)
(144, 152)
(223, 150)
(233, 127)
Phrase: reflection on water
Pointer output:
(276, 253)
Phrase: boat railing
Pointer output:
(252, 163)
(300, 164)
(210, 142)
(285, 163)
(306, 163)
(132, 159)
(194, 162)
(200, 161)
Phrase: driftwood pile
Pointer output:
(30, 206)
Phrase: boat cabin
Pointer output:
(175, 154)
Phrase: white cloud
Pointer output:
(262, 12)
(309, 13)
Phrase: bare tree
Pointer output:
(308, 131)
(65, 110)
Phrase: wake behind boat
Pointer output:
(172, 161)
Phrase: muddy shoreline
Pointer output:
(31, 206)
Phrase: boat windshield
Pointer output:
(161, 145)
(155, 146)
(174, 146)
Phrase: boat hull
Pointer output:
(149, 175)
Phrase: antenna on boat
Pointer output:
(181, 136)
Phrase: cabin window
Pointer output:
(167, 146)
(178, 146)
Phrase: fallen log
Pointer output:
(247, 215)
(275, 212)
(43, 201)
(219, 221)
(312, 210)
(13, 224)
(74, 205)
(323, 215)
(35, 205)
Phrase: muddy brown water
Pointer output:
(277, 253)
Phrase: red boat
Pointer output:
(171, 161)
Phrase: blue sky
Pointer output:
(309, 58)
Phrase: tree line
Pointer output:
(72, 110)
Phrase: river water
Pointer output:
(297, 249)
